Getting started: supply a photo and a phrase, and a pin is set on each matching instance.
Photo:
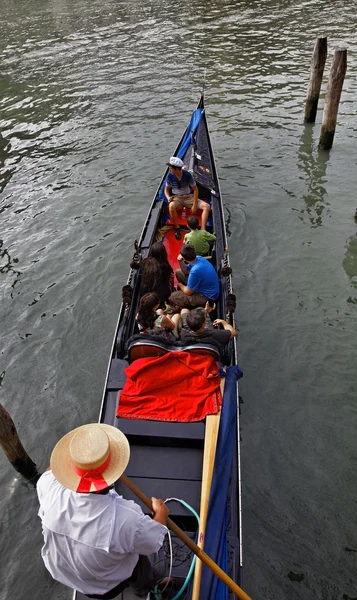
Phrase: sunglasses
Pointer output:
(185, 261)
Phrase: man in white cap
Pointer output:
(181, 191)
(95, 541)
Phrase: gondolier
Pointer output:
(95, 541)
(181, 191)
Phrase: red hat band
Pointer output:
(91, 476)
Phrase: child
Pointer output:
(152, 321)
(198, 238)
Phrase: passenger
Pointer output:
(198, 238)
(197, 280)
(95, 541)
(181, 190)
(157, 273)
(152, 321)
(196, 325)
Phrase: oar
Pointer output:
(209, 454)
(237, 591)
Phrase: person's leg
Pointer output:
(173, 212)
(201, 204)
(206, 209)
(144, 577)
(179, 300)
(173, 206)
(176, 319)
(181, 277)
(196, 300)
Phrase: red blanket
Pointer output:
(175, 387)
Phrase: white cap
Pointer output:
(175, 161)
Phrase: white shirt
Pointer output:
(93, 541)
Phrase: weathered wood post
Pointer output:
(316, 72)
(332, 99)
(14, 450)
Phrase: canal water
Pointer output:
(94, 96)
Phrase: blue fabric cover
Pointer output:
(187, 140)
(212, 588)
(190, 131)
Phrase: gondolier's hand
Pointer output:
(160, 511)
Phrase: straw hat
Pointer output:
(90, 458)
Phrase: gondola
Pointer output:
(166, 456)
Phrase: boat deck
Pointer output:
(166, 457)
(166, 462)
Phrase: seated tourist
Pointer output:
(152, 321)
(198, 238)
(197, 280)
(195, 325)
(181, 191)
(157, 274)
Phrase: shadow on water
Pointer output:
(314, 172)
(5, 175)
(7, 264)
(349, 264)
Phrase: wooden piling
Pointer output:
(316, 72)
(14, 450)
(333, 95)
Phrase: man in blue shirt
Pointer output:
(181, 191)
(197, 280)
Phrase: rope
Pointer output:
(192, 566)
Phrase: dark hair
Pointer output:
(188, 252)
(151, 274)
(193, 222)
(146, 316)
(196, 318)
(156, 269)
(158, 251)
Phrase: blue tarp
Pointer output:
(190, 131)
(216, 530)
(188, 139)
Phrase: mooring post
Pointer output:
(332, 99)
(14, 450)
(316, 72)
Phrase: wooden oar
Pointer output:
(239, 593)
(209, 455)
